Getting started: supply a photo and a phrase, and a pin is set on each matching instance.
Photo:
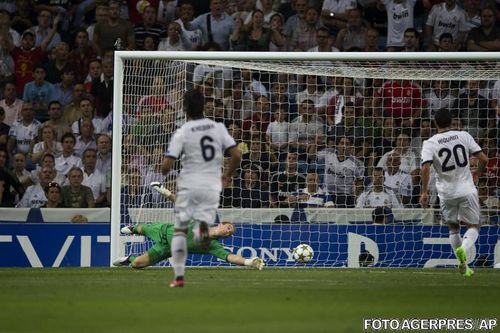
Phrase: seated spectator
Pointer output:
(312, 195)
(86, 110)
(312, 90)
(260, 117)
(409, 160)
(445, 42)
(343, 172)
(372, 42)
(103, 163)
(19, 170)
(440, 96)
(252, 194)
(11, 104)
(412, 40)
(324, 41)
(53, 195)
(86, 139)
(68, 159)
(47, 144)
(76, 195)
(8, 182)
(173, 42)
(94, 72)
(382, 215)
(56, 120)
(354, 34)
(349, 126)
(300, 8)
(258, 155)
(40, 93)
(278, 39)
(23, 134)
(487, 36)
(397, 180)
(285, 183)
(35, 194)
(378, 195)
(4, 129)
(93, 178)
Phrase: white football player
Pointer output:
(200, 144)
(449, 152)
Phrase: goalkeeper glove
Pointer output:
(255, 262)
(160, 189)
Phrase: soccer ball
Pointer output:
(303, 253)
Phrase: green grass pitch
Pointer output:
(233, 300)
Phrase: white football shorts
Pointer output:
(196, 204)
(464, 209)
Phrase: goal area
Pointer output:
(330, 148)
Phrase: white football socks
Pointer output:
(455, 240)
(470, 238)
(179, 254)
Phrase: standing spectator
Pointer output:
(148, 27)
(278, 39)
(102, 89)
(106, 33)
(39, 92)
(304, 130)
(378, 195)
(68, 159)
(56, 66)
(267, 11)
(353, 36)
(445, 17)
(286, 182)
(254, 37)
(81, 55)
(300, 8)
(5, 27)
(92, 177)
(101, 16)
(34, 197)
(399, 18)
(43, 29)
(76, 195)
(487, 36)
(221, 25)
(277, 134)
(335, 13)
(343, 173)
(192, 36)
(8, 181)
(411, 40)
(23, 134)
(63, 91)
(303, 36)
(11, 105)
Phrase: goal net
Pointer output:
(331, 150)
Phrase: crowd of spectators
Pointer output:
(305, 139)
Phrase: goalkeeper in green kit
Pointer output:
(161, 234)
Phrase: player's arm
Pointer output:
(425, 174)
(481, 164)
(163, 191)
(234, 163)
(167, 165)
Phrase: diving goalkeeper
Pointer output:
(161, 234)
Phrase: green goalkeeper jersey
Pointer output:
(161, 234)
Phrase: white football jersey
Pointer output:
(372, 199)
(200, 144)
(399, 18)
(449, 152)
(442, 20)
(24, 135)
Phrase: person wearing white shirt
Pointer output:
(92, 177)
(67, 160)
(11, 104)
(445, 17)
(399, 18)
(378, 195)
(449, 153)
(193, 37)
(34, 197)
(173, 42)
(103, 163)
(398, 180)
(221, 25)
(277, 132)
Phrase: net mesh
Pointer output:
(313, 135)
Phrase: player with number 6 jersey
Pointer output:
(449, 153)
(200, 144)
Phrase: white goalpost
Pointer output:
(314, 130)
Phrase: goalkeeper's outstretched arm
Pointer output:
(255, 262)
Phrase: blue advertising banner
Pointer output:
(85, 245)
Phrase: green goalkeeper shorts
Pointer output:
(161, 247)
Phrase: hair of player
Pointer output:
(442, 118)
(194, 102)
